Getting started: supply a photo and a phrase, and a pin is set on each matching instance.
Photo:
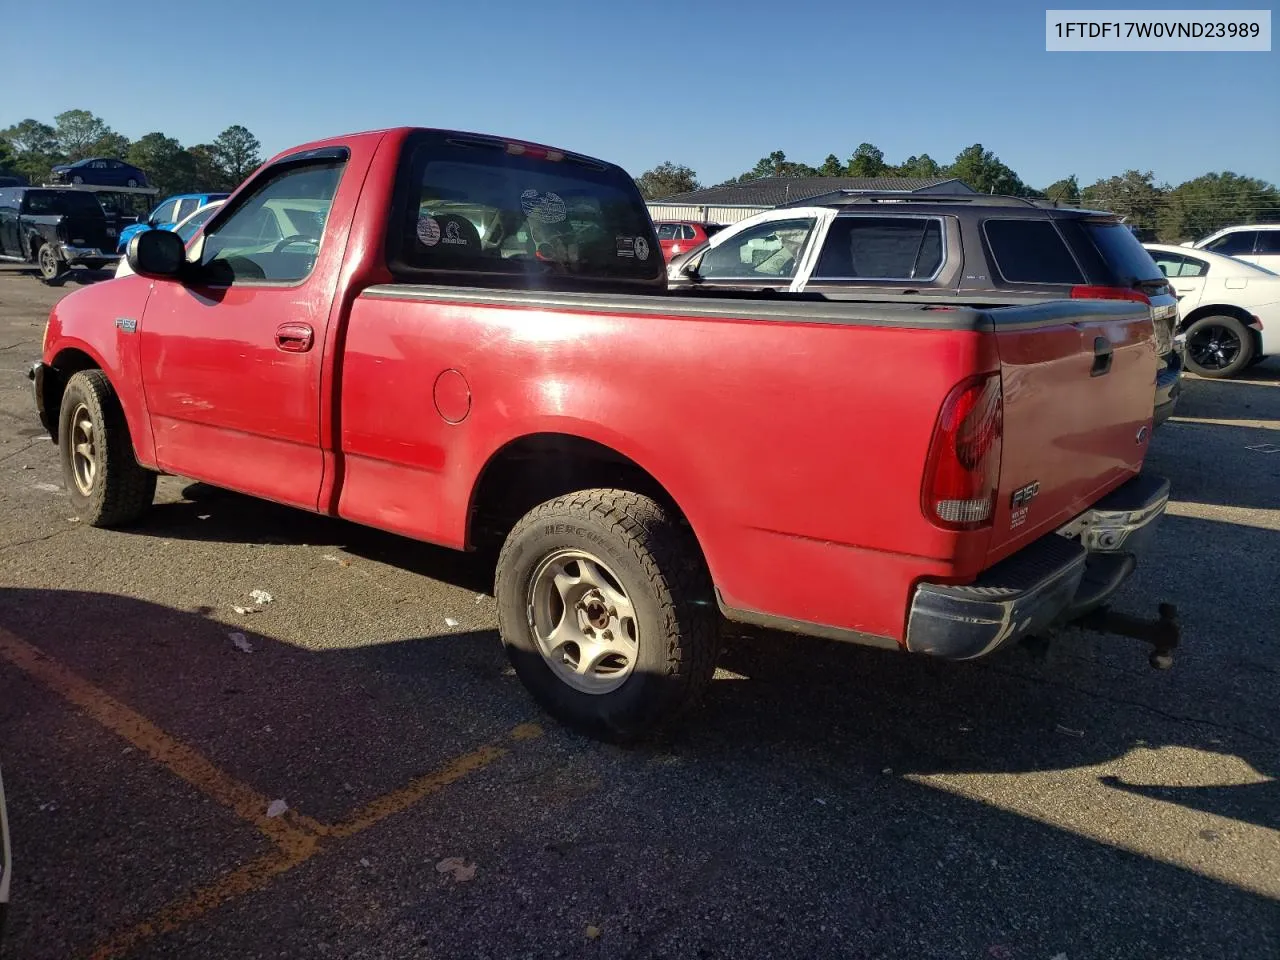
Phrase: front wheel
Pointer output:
(605, 610)
(108, 488)
(132, 182)
(1219, 347)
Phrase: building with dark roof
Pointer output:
(731, 202)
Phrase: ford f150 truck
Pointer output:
(468, 341)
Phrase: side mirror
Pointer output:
(156, 253)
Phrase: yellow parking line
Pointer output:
(255, 876)
(131, 726)
(252, 876)
(297, 836)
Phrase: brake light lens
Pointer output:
(1109, 293)
(529, 150)
(963, 470)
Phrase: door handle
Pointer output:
(1102, 353)
(294, 337)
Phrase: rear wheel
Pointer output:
(107, 486)
(52, 267)
(77, 179)
(604, 606)
(1219, 347)
(132, 182)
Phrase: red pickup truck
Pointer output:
(468, 341)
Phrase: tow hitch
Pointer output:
(1163, 633)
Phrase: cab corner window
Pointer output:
(275, 234)
(770, 250)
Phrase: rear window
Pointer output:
(1123, 252)
(475, 206)
(66, 203)
(1032, 251)
(881, 248)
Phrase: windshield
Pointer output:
(63, 202)
(477, 206)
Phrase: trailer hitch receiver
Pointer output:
(1162, 633)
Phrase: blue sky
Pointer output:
(715, 85)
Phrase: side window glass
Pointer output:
(1031, 251)
(766, 251)
(686, 232)
(164, 213)
(1241, 241)
(275, 234)
(1268, 242)
(881, 248)
(186, 208)
(667, 231)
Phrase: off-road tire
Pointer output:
(122, 491)
(658, 562)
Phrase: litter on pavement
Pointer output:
(461, 870)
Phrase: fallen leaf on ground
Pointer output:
(241, 642)
(260, 597)
(461, 870)
(1068, 732)
(593, 933)
(450, 622)
(276, 808)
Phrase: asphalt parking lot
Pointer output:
(825, 800)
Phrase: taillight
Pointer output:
(537, 153)
(963, 470)
(1109, 293)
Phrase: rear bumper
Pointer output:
(79, 255)
(1056, 579)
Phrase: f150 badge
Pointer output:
(1020, 503)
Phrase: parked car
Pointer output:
(677, 236)
(168, 213)
(187, 229)
(967, 248)
(55, 229)
(1257, 243)
(1229, 310)
(100, 171)
(735, 469)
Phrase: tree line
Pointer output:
(1159, 211)
(31, 148)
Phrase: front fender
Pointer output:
(92, 328)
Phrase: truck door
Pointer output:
(231, 359)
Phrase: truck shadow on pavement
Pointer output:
(771, 801)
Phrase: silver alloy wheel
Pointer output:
(84, 451)
(48, 261)
(583, 621)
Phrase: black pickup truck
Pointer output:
(962, 248)
(55, 229)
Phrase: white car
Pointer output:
(1257, 243)
(1229, 310)
(185, 228)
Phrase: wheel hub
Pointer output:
(583, 621)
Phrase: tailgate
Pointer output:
(82, 231)
(1079, 389)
